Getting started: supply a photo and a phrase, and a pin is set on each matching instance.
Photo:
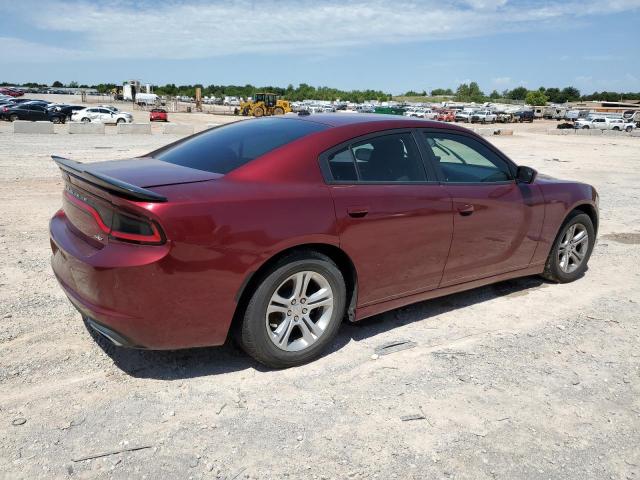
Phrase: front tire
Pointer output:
(571, 250)
(295, 310)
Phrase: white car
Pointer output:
(101, 115)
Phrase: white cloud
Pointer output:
(194, 29)
(502, 80)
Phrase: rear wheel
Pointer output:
(278, 111)
(617, 129)
(571, 250)
(586, 127)
(629, 128)
(295, 310)
(86, 120)
(57, 120)
(120, 120)
(258, 112)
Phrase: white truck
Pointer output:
(483, 116)
(604, 123)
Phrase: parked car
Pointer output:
(166, 250)
(67, 110)
(504, 117)
(463, 116)
(483, 116)
(12, 92)
(446, 116)
(604, 123)
(31, 111)
(524, 116)
(158, 115)
(101, 115)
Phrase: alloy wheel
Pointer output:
(299, 311)
(573, 248)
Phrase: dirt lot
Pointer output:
(520, 380)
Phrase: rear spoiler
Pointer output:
(113, 185)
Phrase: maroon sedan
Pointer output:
(277, 229)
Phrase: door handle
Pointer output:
(357, 212)
(466, 209)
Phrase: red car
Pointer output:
(158, 115)
(12, 92)
(446, 116)
(276, 229)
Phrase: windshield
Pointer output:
(223, 149)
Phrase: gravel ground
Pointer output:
(523, 379)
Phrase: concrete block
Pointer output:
(86, 128)
(24, 126)
(611, 133)
(635, 133)
(134, 128)
(485, 132)
(553, 131)
(595, 132)
(583, 131)
(178, 129)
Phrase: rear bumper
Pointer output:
(142, 296)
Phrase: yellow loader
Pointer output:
(263, 104)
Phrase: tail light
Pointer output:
(116, 223)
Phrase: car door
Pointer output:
(394, 219)
(496, 221)
(107, 116)
(37, 112)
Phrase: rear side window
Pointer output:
(392, 158)
(226, 148)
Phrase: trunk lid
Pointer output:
(147, 172)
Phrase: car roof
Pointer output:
(392, 121)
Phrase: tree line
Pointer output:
(471, 92)
(466, 92)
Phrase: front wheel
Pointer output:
(295, 310)
(571, 250)
(628, 129)
(86, 120)
(278, 111)
(120, 120)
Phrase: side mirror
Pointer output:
(526, 174)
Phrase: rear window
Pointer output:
(226, 148)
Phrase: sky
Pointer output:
(392, 46)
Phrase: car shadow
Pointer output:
(199, 362)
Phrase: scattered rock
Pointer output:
(18, 421)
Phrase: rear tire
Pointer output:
(119, 121)
(570, 253)
(291, 334)
(628, 129)
(86, 120)
(258, 112)
(278, 111)
(13, 118)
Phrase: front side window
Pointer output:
(463, 159)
